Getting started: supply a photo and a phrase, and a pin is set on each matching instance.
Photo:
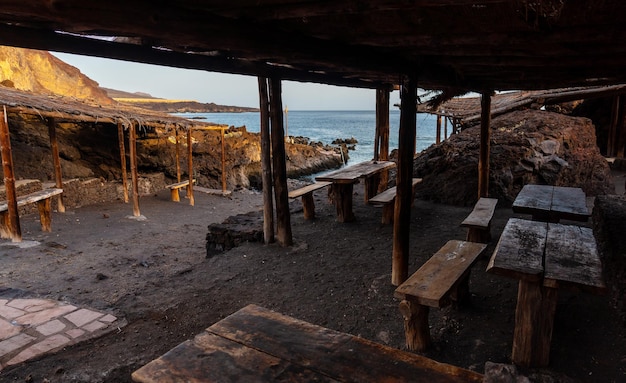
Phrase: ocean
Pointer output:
(326, 126)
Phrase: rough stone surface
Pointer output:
(528, 146)
(609, 220)
(234, 231)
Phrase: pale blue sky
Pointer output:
(223, 89)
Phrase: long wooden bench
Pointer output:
(478, 223)
(306, 192)
(387, 199)
(43, 199)
(444, 278)
(174, 189)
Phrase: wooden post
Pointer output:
(12, 218)
(483, 159)
(445, 128)
(404, 182)
(534, 321)
(281, 193)
(381, 151)
(120, 138)
(438, 132)
(266, 163)
(621, 128)
(56, 160)
(132, 143)
(223, 162)
(190, 167)
(177, 155)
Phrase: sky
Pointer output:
(222, 89)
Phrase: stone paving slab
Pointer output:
(30, 328)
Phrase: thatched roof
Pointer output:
(467, 110)
(64, 109)
(451, 45)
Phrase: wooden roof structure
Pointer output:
(449, 45)
(467, 110)
(63, 109)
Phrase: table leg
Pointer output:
(371, 186)
(534, 320)
(342, 196)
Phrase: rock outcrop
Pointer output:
(41, 72)
(528, 146)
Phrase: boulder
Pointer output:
(526, 147)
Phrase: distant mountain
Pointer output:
(146, 101)
(42, 73)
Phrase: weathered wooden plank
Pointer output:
(210, 358)
(352, 173)
(432, 283)
(308, 189)
(569, 203)
(33, 197)
(534, 199)
(482, 214)
(338, 355)
(572, 260)
(519, 252)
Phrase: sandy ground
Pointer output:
(155, 274)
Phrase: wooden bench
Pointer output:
(442, 279)
(387, 199)
(174, 188)
(43, 199)
(478, 223)
(306, 192)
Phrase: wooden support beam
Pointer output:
(445, 128)
(120, 138)
(132, 143)
(56, 160)
(438, 132)
(621, 128)
(223, 161)
(279, 162)
(190, 166)
(404, 182)
(483, 159)
(12, 218)
(381, 150)
(177, 136)
(266, 163)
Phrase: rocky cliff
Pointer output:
(41, 72)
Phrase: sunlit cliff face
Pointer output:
(41, 72)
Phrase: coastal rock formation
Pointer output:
(92, 150)
(527, 146)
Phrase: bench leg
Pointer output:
(371, 186)
(460, 294)
(308, 206)
(175, 195)
(5, 231)
(388, 210)
(478, 235)
(45, 214)
(416, 328)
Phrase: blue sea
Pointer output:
(326, 126)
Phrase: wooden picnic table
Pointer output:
(258, 345)
(343, 184)
(544, 257)
(552, 203)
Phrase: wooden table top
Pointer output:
(563, 256)
(556, 201)
(351, 174)
(258, 345)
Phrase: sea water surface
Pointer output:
(326, 126)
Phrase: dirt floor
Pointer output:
(155, 274)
